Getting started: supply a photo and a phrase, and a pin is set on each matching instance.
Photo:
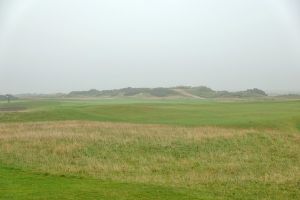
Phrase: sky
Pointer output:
(54, 46)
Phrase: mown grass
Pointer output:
(162, 149)
(263, 114)
(17, 184)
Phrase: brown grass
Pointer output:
(160, 154)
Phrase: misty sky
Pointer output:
(62, 45)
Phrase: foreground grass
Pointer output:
(128, 161)
(16, 184)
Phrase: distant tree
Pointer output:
(8, 98)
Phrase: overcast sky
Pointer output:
(62, 45)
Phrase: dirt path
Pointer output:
(184, 93)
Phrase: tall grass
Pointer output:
(153, 154)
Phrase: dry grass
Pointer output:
(109, 129)
(159, 154)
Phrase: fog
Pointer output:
(63, 45)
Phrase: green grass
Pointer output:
(264, 114)
(17, 184)
(202, 149)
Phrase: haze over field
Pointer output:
(152, 100)
(65, 45)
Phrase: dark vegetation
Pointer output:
(6, 97)
(181, 91)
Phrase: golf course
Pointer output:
(130, 148)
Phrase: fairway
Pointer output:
(149, 149)
(236, 114)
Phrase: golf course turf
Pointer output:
(149, 149)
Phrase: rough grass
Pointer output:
(209, 161)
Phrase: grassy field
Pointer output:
(149, 149)
(239, 114)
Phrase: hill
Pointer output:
(180, 91)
